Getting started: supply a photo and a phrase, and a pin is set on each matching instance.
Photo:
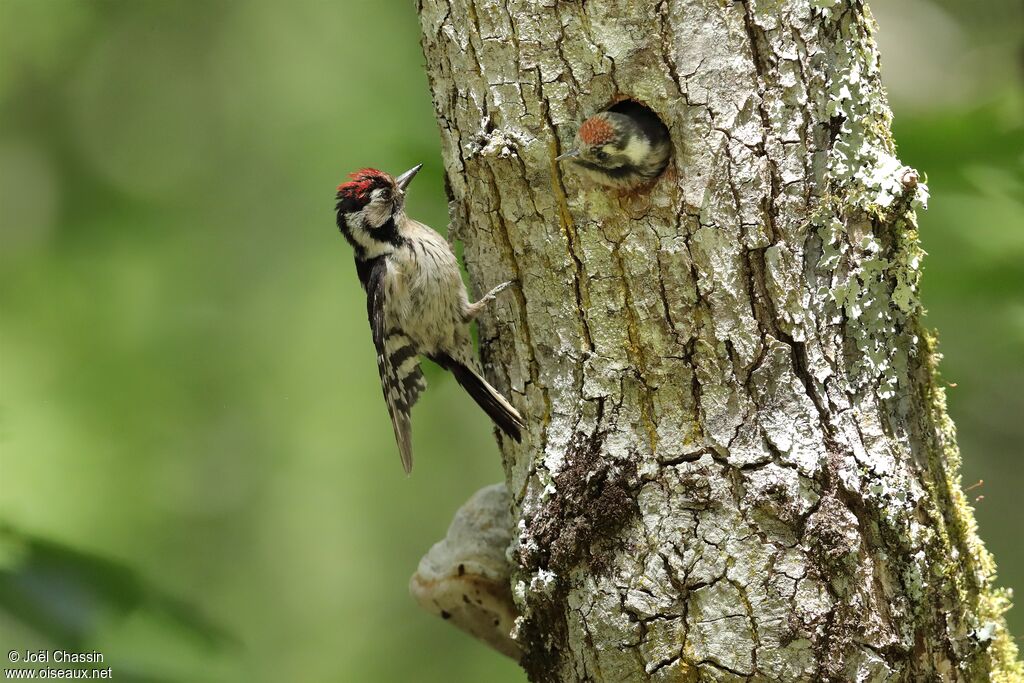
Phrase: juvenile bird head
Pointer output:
(369, 203)
(621, 150)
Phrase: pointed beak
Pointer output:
(403, 180)
(571, 154)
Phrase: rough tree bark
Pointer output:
(739, 464)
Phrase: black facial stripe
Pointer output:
(620, 172)
(387, 233)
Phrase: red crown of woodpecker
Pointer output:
(597, 131)
(363, 181)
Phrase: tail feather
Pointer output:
(487, 397)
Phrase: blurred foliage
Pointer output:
(186, 380)
(67, 597)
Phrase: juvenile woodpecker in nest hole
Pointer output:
(415, 300)
(624, 148)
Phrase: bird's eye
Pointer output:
(601, 155)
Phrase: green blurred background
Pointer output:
(186, 377)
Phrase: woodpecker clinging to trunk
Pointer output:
(415, 300)
(623, 148)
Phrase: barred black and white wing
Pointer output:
(397, 361)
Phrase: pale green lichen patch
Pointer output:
(879, 295)
(875, 272)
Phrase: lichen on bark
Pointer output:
(739, 464)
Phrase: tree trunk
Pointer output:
(739, 464)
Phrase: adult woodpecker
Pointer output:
(624, 148)
(415, 300)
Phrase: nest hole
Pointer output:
(651, 122)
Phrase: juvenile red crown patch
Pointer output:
(596, 131)
(362, 181)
